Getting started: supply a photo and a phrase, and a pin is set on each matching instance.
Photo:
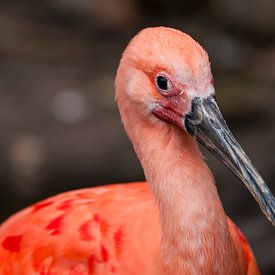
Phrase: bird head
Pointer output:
(166, 76)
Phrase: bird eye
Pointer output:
(162, 83)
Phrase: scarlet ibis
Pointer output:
(172, 224)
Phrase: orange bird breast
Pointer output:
(104, 230)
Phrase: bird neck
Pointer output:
(195, 235)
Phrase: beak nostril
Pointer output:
(212, 121)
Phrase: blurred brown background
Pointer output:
(60, 128)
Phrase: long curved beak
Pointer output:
(206, 123)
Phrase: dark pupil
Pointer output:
(162, 83)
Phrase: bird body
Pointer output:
(172, 224)
(73, 233)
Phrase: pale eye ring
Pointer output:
(163, 83)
